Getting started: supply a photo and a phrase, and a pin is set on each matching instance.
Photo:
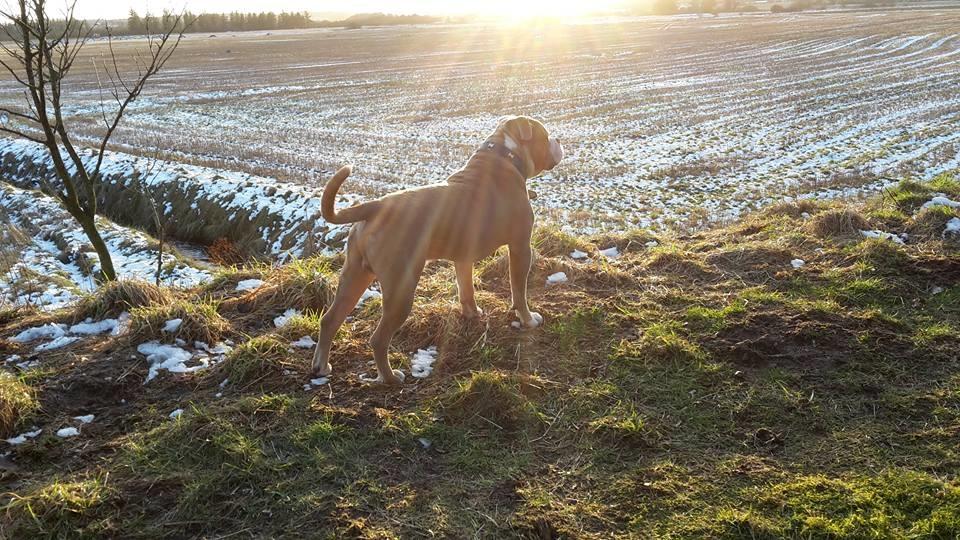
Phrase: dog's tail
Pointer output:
(361, 212)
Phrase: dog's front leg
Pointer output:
(520, 258)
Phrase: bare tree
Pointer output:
(39, 52)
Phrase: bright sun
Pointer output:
(525, 9)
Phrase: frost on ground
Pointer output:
(421, 364)
(58, 264)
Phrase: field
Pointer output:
(748, 266)
(665, 119)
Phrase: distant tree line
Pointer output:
(218, 22)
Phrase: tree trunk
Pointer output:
(106, 261)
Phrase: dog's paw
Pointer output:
(471, 313)
(396, 379)
(534, 321)
(322, 370)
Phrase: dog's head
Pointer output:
(528, 138)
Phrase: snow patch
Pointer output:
(63, 433)
(578, 255)
(57, 343)
(47, 331)
(249, 284)
(284, 319)
(953, 227)
(611, 252)
(175, 414)
(882, 236)
(90, 328)
(797, 263)
(22, 438)
(85, 419)
(169, 357)
(421, 365)
(172, 325)
(306, 342)
(557, 278)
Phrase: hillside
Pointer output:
(783, 376)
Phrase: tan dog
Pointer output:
(482, 206)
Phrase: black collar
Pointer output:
(504, 152)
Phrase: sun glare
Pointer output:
(528, 9)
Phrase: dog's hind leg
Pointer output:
(468, 302)
(354, 280)
(398, 294)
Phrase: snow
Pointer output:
(577, 254)
(941, 200)
(882, 236)
(306, 342)
(319, 382)
(57, 343)
(367, 295)
(47, 331)
(219, 349)
(85, 419)
(172, 325)
(557, 278)
(610, 252)
(652, 244)
(22, 438)
(63, 433)
(170, 358)
(59, 259)
(421, 365)
(249, 284)
(953, 227)
(175, 414)
(797, 263)
(90, 328)
(284, 319)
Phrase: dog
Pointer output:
(481, 207)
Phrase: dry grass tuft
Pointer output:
(842, 223)
(257, 359)
(552, 242)
(793, 209)
(17, 403)
(750, 259)
(490, 399)
(115, 297)
(930, 223)
(677, 263)
(200, 321)
(305, 284)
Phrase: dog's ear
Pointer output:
(526, 128)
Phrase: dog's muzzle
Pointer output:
(556, 152)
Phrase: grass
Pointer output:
(199, 321)
(256, 359)
(118, 296)
(18, 403)
(710, 390)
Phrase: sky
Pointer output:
(114, 9)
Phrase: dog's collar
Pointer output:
(504, 152)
